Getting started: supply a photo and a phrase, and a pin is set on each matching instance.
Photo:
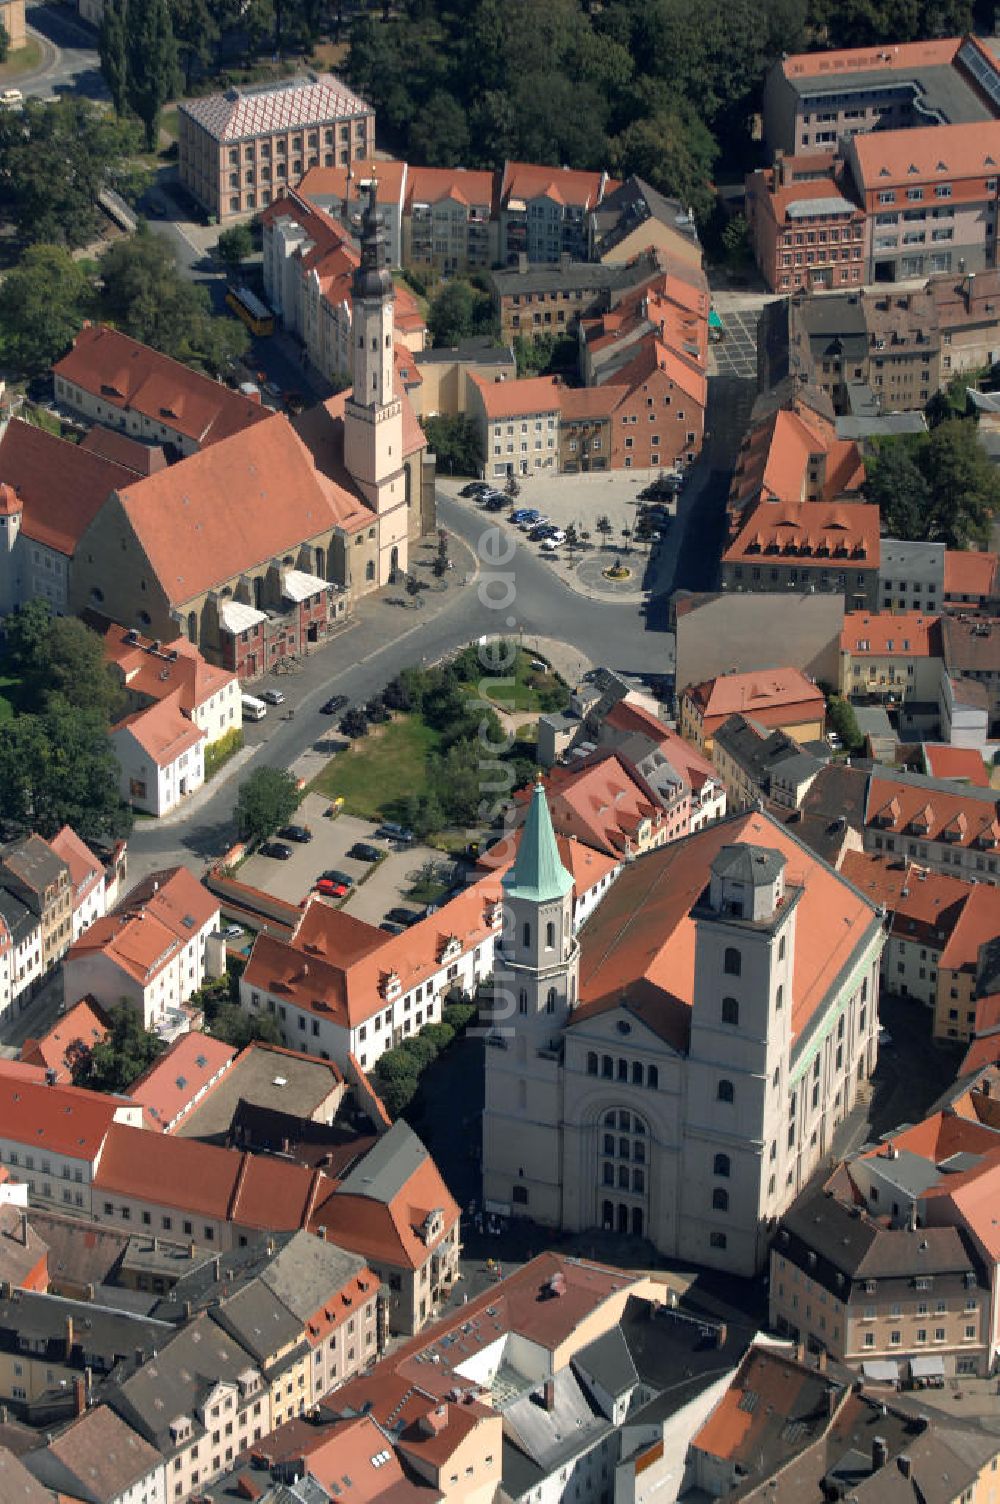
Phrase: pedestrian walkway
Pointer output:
(193, 802)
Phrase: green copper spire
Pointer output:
(538, 875)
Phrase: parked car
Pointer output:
(300, 833)
(475, 488)
(277, 850)
(390, 927)
(272, 696)
(364, 851)
(390, 831)
(334, 705)
(549, 545)
(536, 519)
(334, 875)
(328, 889)
(403, 916)
(495, 503)
(524, 514)
(233, 931)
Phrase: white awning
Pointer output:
(881, 1371)
(927, 1368)
(299, 586)
(236, 616)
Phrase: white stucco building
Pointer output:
(677, 1070)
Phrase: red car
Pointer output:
(330, 889)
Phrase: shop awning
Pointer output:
(881, 1371)
(714, 322)
(927, 1368)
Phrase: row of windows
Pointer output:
(611, 1071)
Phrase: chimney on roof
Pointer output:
(24, 1228)
(984, 1086)
(970, 288)
(191, 1249)
(321, 1232)
(911, 1220)
(550, 1394)
(522, 262)
(69, 1336)
(831, 1402)
(188, 1308)
(217, 1269)
(821, 1361)
(903, 1463)
(880, 1453)
(79, 1395)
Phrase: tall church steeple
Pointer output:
(373, 415)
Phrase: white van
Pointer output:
(253, 709)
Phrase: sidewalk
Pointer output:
(194, 802)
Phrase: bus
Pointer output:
(253, 709)
(247, 306)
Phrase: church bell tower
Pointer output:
(373, 415)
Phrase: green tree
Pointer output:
(42, 304)
(120, 1059)
(439, 135)
(4, 43)
(113, 52)
(896, 484)
(965, 486)
(54, 160)
(58, 768)
(144, 294)
(61, 658)
(604, 527)
(840, 714)
(234, 246)
(233, 1026)
(672, 151)
(265, 801)
(451, 316)
(196, 29)
(153, 72)
(456, 441)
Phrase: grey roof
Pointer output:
(34, 862)
(633, 204)
(480, 348)
(678, 1354)
(309, 1271)
(19, 919)
(608, 1361)
(873, 720)
(253, 1078)
(745, 863)
(538, 1440)
(941, 95)
(909, 1172)
(796, 767)
(806, 208)
(258, 1320)
(387, 1167)
(177, 1380)
(97, 1458)
(554, 276)
(100, 1336)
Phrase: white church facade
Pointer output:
(678, 1069)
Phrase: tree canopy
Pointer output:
(121, 1058)
(42, 302)
(267, 799)
(939, 486)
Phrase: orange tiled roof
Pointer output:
(653, 355)
(131, 454)
(963, 818)
(600, 800)
(338, 966)
(85, 871)
(965, 573)
(833, 534)
(961, 763)
(638, 946)
(527, 180)
(782, 692)
(84, 1024)
(978, 923)
(585, 864)
(390, 1230)
(244, 500)
(57, 1119)
(162, 730)
(130, 376)
(877, 633)
(579, 403)
(941, 153)
(158, 670)
(156, 919)
(923, 904)
(775, 455)
(431, 185)
(60, 486)
(514, 399)
(331, 182)
(173, 1082)
(901, 57)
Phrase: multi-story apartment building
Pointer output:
(950, 828)
(966, 308)
(238, 150)
(671, 1071)
(971, 648)
(518, 423)
(39, 878)
(892, 656)
(864, 1291)
(87, 876)
(345, 989)
(911, 576)
(783, 699)
(20, 954)
(99, 1456)
(930, 198)
(545, 212)
(813, 99)
(806, 228)
(534, 298)
(754, 764)
(151, 952)
(449, 224)
(807, 545)
(52, 1137)
(903, 368)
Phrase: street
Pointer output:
(69, 64)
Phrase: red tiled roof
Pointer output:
(432, 185)
(56, 1119)
(514, 399)
(934, 814)
(877, 633)
(130, 376)
(652, 354)
(638, 947)
(774, 696)
(775, 456)
(581, 402)
(888, 159)
(241, 502)
(964, 764)
(830, 534)
(172, 1083)
(149, 926)
(61, 486)
(390, 1230)
(157, 670)
(924, 904)
(331, 182)
(84, 868)
(586, 865)
(602, 801)
(978, 923)
(969, 574)
(162, 730)
(84, 1024)
(527, 180)
(143, 459)
(901, 56)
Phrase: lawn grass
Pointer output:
(531, 689)
(378, 773)
(169, 123)
(25, 60)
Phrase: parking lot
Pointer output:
(736, 353)
(378, 886)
